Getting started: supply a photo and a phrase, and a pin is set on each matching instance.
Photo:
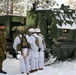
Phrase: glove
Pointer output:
(5, 56)
(39, 49)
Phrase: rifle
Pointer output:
(21, 48)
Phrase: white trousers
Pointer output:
(33, 63)
(41, 59)
(24, 65)
(33, 59)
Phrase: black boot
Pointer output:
(1, 71)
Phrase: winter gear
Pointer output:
(27, 73)
(37, 30)
(36, 40)
(1, 71)
(31, 30)
(41, 52)
(33, 53)
(23, 58)
(40, 68)
(31, 71)
(20, 28)
(24, 43)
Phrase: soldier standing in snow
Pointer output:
(24, 58)
(33, 51)
(42, 46)
(2, 47)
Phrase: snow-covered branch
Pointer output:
(21, 6)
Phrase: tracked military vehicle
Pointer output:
(11, 23)
(59, 29)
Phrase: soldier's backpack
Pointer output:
(42, 39)
(28, 44)
(23, 43)
(36, 41)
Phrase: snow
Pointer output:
(67, 26)
(58, 68)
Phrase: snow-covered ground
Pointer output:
(59, 68)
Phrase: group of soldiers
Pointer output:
(31, 48)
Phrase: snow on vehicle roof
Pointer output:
(67, 26)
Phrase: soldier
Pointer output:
(42, 46)
(24, 58)
(2, 47)
(33, 51)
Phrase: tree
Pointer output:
(72, 3)
(19, 7)
(45, 4)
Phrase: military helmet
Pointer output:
(21, 28)
(37, 30)
(31, 30)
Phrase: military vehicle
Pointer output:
(56, 24)
(58, 27)
(11, 23)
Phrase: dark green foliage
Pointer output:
(47, 20)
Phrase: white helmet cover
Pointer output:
(31, 30)
(37, 30)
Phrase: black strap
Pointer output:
(21, 40)
(25, 37)
(26, 41)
